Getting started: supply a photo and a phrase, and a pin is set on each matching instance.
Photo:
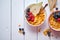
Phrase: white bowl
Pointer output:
(49, 23)
(32, 24)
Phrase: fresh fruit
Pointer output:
(29, 19)
(23, 33)
(20, 29)
(59, 15)
(35, 8)
(30, 16)
(27, 16)
(49, 33)
(55, 16)
(28, 10)
(29, 13)
(56, 8)
(32, 19)
(58, 19)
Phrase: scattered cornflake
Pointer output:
(19, 25)
(46, 32)
(52, 35)
(20, 32)
(39, 29)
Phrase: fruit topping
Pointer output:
(28, 19)
(29, 15)
(58, 19)
(28, 10)
(20, 29)
(23, 33)
(57, 16)
(32, 18)
(49, 33)
(56, 8)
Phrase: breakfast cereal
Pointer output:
(54, 22)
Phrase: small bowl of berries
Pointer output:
(31, 16)
(54, 20)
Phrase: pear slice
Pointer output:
(35, 8)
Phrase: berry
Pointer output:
(58, 19)
(59, 14)
(49, 33)
(30, 16)
(28, 19)
(28, 10)
(20, 29)
(56, 8)
(32, 19)
(55, 16)
(27, 16)
(23, 33)
(29, 13)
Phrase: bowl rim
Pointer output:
(32, 24)
(49, 22)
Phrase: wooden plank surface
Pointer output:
(4, 19)
(17, 19)
(18, 7)
(44, 26)
(31, 32)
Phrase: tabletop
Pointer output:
(17, 21)
(31, 33)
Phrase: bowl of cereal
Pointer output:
(54, 20)
(34, 16)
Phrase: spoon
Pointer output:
(42, 9)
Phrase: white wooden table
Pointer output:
(17, 17)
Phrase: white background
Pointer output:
(12, 14)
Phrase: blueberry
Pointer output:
(55, 16)
(59, 14)
(56, 8)
(27, 16)
(20, 29)
(23, 33)
(49, 33)
(28, 10)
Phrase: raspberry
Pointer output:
(29, 13)
(32, 19)
(58, 19)
(28, 19)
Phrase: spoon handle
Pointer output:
(45, 6)
(42, 9)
